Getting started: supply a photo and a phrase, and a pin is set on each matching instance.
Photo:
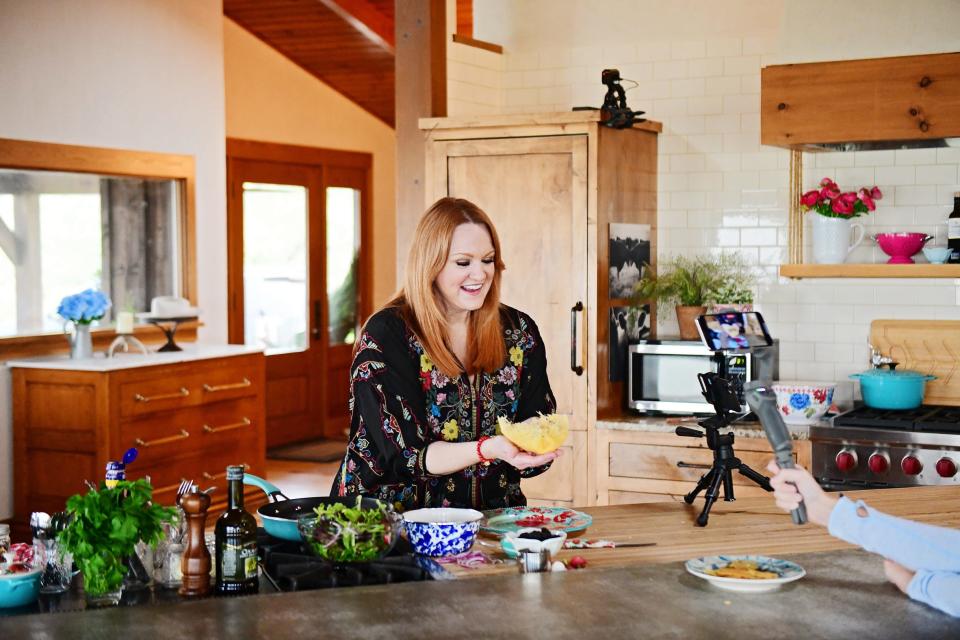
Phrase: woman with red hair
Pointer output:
(434, 370)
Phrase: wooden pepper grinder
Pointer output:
(195, 563)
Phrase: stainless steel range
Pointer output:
(875, 448)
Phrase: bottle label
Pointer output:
(953, 228)
(239, 562)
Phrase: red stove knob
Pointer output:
(946, 468)
(878, 463)
(911, 465)
(846, 461)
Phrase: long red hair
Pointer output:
(421, 306)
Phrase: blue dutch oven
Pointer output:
(892, 389)
(19, 589)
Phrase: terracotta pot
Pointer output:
(687, 318)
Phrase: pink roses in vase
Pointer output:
(829, 201)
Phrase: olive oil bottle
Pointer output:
(236, 539)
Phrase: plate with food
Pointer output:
(500, 521)
(745, 573)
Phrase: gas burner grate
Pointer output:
(927, 418)
(292, 568)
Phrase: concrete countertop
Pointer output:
(843, 593)
(668, 424)
(100, 362)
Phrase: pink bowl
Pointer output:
(900, 246)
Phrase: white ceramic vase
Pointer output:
(831, 239)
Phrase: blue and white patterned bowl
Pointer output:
(442, 531)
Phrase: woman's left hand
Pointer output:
(500, 447)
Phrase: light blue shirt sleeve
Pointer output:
(932, 552)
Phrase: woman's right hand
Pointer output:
(790, 486)
(500, 447)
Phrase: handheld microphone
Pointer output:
(763, 402)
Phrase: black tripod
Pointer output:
(720, 393)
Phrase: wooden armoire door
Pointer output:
(535, 192)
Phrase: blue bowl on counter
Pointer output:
(442, 531)
(19, 589)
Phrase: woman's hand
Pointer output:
(898, 574)
(790, 486)
(500, 447)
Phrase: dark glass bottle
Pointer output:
(953, 230)
(236, 535)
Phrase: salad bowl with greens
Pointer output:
(350, 531)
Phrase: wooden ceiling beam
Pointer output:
(366, 19)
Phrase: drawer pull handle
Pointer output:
(244, 422)
(182, 393)
(210, 388)
(183, 435)
(220, 476)
(692, 465)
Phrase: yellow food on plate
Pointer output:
(744, 570)
(542, 434)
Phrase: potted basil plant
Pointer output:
(104, 527)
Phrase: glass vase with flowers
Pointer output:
(832, 224)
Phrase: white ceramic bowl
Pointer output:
(803, 402)
(512, 543)
(936, 255)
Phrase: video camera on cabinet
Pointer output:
(615, 113)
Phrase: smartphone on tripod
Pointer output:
(733, 331)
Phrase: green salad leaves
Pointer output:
(349, 534)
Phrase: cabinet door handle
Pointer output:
(211, 476)
(182, 393)
(227, 427)
(573, 338)
(692, 465)
(210, 388)
(183, 435)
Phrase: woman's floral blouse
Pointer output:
(400, 403)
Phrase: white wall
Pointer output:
(145, 75)
(698, 68)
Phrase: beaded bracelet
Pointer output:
(483, 459)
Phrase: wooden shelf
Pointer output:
(870, 270)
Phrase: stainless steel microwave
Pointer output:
(662, 374)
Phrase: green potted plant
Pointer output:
(104, 527)
(692, 283)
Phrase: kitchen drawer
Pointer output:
(208, 469)
(189, 385)
(201, 428)
(674, 463)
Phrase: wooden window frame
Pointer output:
(47, 156)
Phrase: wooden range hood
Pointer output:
(880, 103)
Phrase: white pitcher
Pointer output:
(831, 239)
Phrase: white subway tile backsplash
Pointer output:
(723, 162)
(741, 65)
(705, 143)
(915, 156)
(750, 84)
(948, 155)
(855, 177)
(721, 86)
(709, 181)
(896, 175)
(539, 78)
(704, 105)
(742, 103)
(687, 162)
(740, 142)
(937, 174)
(670, 69)
(873, 158)
(750, 123)
(705, 67)
(832, 160)
(675, 182)
(705, 219)
(724, 47)
(619, 54)
(653, 51)
(915, 195)
(687, 50)
(725, 123)
(671, 143)
(758, 237)
(687, 200)
(739, 180)
(687, 88)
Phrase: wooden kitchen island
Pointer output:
(623, 593)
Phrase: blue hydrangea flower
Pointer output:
(84, 307)
(799, 400)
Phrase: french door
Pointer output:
(299, 277)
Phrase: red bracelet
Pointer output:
(483, 459)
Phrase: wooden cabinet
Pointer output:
(644, 466)
(906, 98)
(188, 419)
(552, 183)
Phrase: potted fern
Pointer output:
(692, 283)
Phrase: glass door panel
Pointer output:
(343, 255)
(275, 266)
